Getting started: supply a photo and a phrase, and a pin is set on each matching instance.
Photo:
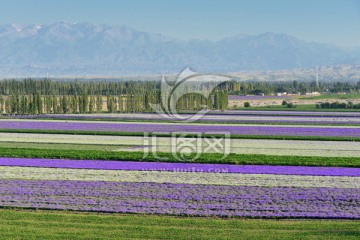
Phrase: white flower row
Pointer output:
(32, 173)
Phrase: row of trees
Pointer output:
(37, 104)
(113, 88)
(116, 88)
(49, 87)
(337, 105)
(269, 88)
(30, 96)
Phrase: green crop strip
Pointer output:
(252, 159)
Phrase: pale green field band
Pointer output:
(31, 173)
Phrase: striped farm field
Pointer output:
(88, 177)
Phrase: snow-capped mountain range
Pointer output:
(79, 49)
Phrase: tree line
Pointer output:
(116, 88)
(46, 96)
(269, 88)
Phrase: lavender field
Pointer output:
(183, 199)
(262, 191)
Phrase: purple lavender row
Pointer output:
(331, 122)
(326, 120)
(180, 167)
(182, 199)
(288, 113)
(144, 127)
(233, 113)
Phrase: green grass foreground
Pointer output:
(232, 158)
(27, 224)
(233, 136)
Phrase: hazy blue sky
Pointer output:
(331, 21)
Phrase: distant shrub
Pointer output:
(343, 105)
(334, 105)
(356, 106)
(284, 103)
(337, 105)
(291, 105)
(246, 104)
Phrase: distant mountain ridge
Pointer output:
(80, 49)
